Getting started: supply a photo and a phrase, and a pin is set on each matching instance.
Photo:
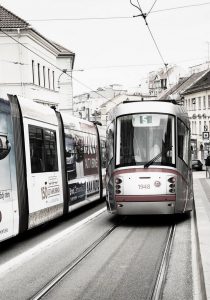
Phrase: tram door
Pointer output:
(6, 199)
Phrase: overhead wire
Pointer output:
(180, 7)
(144, 16)
(151, 7)
(119, 17)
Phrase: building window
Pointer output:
(199, 102)
(44, 79)
(163, 84)
(204, 102)
(33, 72)
(53, 79)
(49, 78)
(200, 132)
(193, 103)
(194, 129)
(205, 127)
(208, 101)
(38, 69)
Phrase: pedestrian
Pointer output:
(208, 165)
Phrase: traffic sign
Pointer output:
(205, 135)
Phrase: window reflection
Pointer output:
(4, 146)
(43, 149)
(143, 136)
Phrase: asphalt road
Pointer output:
(121, 267)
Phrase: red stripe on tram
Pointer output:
(145, 198)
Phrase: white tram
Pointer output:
(149, 159)
(50, 164)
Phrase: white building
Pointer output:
(33, 66)
(163, 79)
(86, 105)
(197, 102)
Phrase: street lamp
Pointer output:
(65, 71)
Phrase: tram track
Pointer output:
(157, 290)
(52, 283)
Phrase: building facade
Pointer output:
(87, 105)
(163, 79)
(33, 66)
(197, 102)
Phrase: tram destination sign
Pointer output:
(145, 120)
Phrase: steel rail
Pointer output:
(72, 265)
(157, 290)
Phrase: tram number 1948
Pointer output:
(144, 186)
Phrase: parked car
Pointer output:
(197, 165)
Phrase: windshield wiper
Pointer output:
(150, 162)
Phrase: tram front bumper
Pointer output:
(149, 205)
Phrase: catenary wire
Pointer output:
(118, 17)
(151, 7)
(144, 16)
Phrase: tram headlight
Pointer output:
(118, 185)
(171, 186)
(118, 180)
(172, 179)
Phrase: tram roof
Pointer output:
(36, 111)
(75, 123)
(149, 106)
(46, 114)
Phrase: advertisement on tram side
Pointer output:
(82, 163)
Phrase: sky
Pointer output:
(113, 47)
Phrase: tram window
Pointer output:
(141, 137)
(183, 141)
(110, 150)
(110, 142)
(4, 146)
(3, 143)
(103, 153)
(43, 149)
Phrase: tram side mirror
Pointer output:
(4, 146)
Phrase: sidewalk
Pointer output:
(202, 211)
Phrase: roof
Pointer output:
(182, 86)
(9, 20)
(203, 83)
(160, 74)
(63, 50)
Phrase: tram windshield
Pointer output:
(142, 137)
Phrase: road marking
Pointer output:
(23, 257)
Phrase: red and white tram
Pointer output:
(149, 159)
(50, 164)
